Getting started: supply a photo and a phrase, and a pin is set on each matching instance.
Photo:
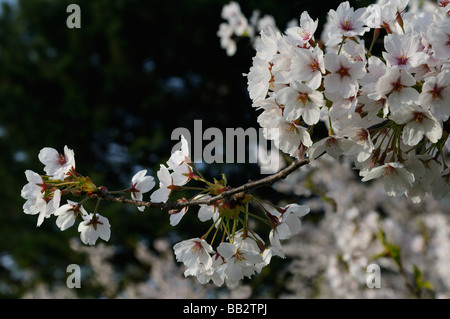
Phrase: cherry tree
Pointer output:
(388, 114)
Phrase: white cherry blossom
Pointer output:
(68, 213)
(396, 179)
(419, 123)
(402, 50)
(347, 21)
(435, 95)
(300, 100)
(57, 165)
(344, 74)
(396, 85)
(92, 227)
(140, 184)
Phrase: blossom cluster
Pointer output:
(244, 253)
(43, 196)
(240, 253)
(389, 113)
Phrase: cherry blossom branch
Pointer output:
(233, 193)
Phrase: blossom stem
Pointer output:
(245, 188)
(342, 44)
(261, 219)
(199, 174)
(209, 230)
(233, 231)
(376, 33)
(65, 183)
(217, 230)
(330, 130)
(226, 228)
(193, 188)
(97, 205)
(441, 151)
(120, 191)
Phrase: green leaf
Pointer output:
(382, 236)
(418, 277)
(224, 180)
(427, 285)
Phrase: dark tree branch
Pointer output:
(237, 192)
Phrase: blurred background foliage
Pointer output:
(113, 91)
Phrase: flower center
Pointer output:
(331, 142)
(238, 257)
(61, 159)
(314, 66)
(402, 60)
(197, 248)
(94, 222)
(436, 92)
(303, 98)
(389, 170)
(418, 117)
(343, 71)
(397, 86)
(347, 25)
(133, 188)
(363, 135)
(291, 128)
(304, 35)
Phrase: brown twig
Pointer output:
(266, 181)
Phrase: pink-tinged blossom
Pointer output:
(175, 215)
(375, 70)
(402, 51)
(33, 193)
(288, 136)
(268, 45)
(361, 145)
(303, 34)
(332, 145)
(68, 213)
(240, 262)
(341, 106)
(278, 233)
(349, 23)
(396, 179)
(435, 95)
(384, 12)
(41, 199)
(439, 37)
(207, 212)
(308, 65)
(258, 80)
(396, 85)
(419, 123)
(141, 184)
(344, 74)
(57, 165)
(300, 100)
(225, 34)
(426, 171)
(161, 195)
(193, 253)
(92, 227)
(291, 214)
(179, 156)
(237, 21)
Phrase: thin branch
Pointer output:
(237, 192)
